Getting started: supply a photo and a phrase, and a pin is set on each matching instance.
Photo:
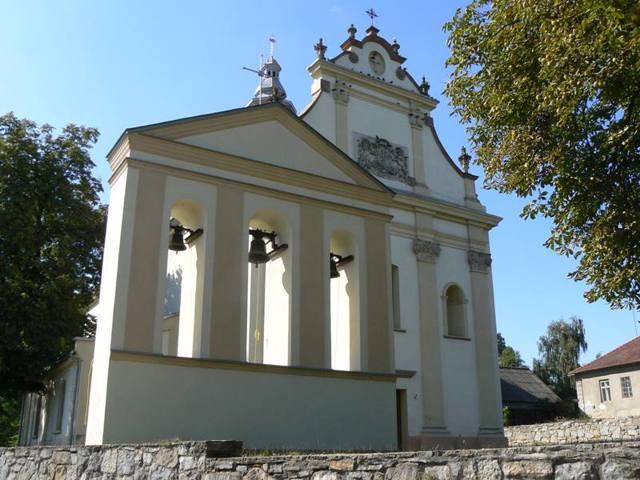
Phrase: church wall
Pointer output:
(458, 355)
(270, 143)
(113, 294)
(373, 120)
(407, 338)
(322, 116)
(273, 409)
(443, 181)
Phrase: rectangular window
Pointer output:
(625, 384)
(605, 391)
(60, 398)
(395, 293)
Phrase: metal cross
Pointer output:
(372, 14)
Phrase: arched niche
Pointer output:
(184, 284)
(455, 314)
(269, 295)
(345, 303)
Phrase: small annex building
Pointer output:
(313, 280)
(527, 397)
(608, 386)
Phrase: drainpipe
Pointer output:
(72, 426)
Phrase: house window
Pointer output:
(605, 391)
(61, 387)
(625, 384)
(395, 292)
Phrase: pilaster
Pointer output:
(227, 322)
(427, 253)
(314, 333)
(489, 403)
(416, 121)
(341, 94)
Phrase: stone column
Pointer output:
(489, 401)
(340, 93)
(427, 254)
(314, 334)
(227, 322)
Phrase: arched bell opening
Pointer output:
(182, 327)
(269, 289)
(345, 301)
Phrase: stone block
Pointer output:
(576, 471)
(404, 471)
(109, 462)
(528, 469)
(620, 469)
(343, 465)
(223, 476)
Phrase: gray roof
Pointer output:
(521, 387)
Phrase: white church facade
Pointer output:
(312, 281)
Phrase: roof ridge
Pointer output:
(609, 353)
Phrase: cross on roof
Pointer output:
(372, 14)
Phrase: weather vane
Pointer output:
(372, 14)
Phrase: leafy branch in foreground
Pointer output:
(550, 93)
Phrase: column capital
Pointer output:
(417, 118)
(426, 250)
(479, 261)
(340, 92)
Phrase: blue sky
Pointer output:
(118, 64)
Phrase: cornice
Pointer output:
(444, 239)
(443, 209)
(237, 164)
(320, 65)
(140, 357)
(252, 187)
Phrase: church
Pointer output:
(311, 280)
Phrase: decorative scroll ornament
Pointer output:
(340, 92)
(416, 118)
(382, 158)
(479, 261)
(426, 251)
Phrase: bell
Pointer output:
(176, 243)
(258, 251)
(333, 268)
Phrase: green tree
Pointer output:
(550, 93)
(50, 251)
(559, 353)
(507, 355)
(501, 343)
(510, 358)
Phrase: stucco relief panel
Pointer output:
(383, 158)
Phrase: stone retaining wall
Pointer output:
(189, 461)
(575, 431)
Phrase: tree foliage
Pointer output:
(559, 353)
(550, 93)
(50, 248)
(510, 358)
(507, 355)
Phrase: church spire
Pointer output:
(270, 88)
